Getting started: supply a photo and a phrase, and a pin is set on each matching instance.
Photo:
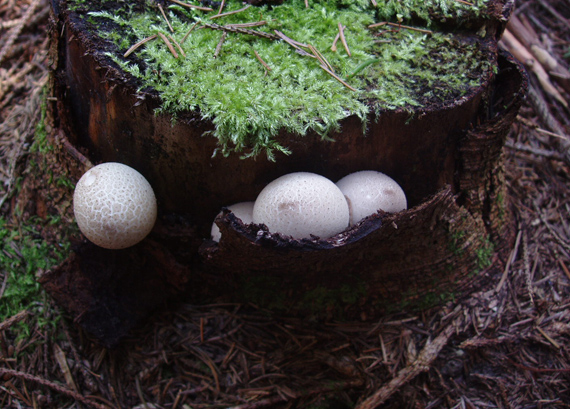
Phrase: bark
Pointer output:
(447, 157)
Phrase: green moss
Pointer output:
(268, 292)
(23, 253)
(321, 299)
(249, 105)
(456, 243)
(26, 246)
(485, 254)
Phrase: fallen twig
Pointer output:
(267, 67)
(396, 25)
(423, 362)
(177, 45)
(220, 43)
(137, 45)
(7, 323)
(515, 47)
(295, 44)
(54, 386)
(336, 77)
(165, 18)
(229, 13)
(168, 44)
(235, 29)
(343, 38)
(191, 6)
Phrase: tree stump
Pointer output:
(444, 150)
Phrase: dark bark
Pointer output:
(447, 157)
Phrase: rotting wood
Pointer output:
(458, 204)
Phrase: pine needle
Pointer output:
(137, 45)
(169, 45)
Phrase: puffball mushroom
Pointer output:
(114, 206)
(242, 210)
(368, 191)
(300, 205)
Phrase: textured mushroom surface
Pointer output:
(242, 210)
(368, 191)
(114, 206)
(302, 204)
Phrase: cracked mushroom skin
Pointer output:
(302, 205)
(114, 205)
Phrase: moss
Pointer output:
(321, 299)
(456, 243)
(269, 292)
(30, 245)
(485, 254)
(249, 105)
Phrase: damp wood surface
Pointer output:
(454, 143)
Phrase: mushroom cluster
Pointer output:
(304, 204)
(114, 205)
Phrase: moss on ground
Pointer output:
(30, 244)
(389, 67)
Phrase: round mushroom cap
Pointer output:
(300, 205)
(242, 210)
(368, 191)
(114, 206)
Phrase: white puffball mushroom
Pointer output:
(368, 191)
(242, 210)
(114, 206)
(300, 205)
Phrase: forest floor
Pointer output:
(506, 346)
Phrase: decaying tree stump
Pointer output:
(446, 154)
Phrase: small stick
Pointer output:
(465, 2)
(421, 30)
(177, 46)
(511, 259)
(52, 385)
(166, 18)
(221, 7)
(233, 29)
(321, 58)
(219, 46)
(191, 6)
(336, 77)
(306, 4)
(169, 45)
(296, 45)
(231, 12)
(548, 338)
(333, 46)
(246, 25)
(267, 67)
(7, 323)
(292, 42)
(188, 33)
(343, 39)
(137, 45)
